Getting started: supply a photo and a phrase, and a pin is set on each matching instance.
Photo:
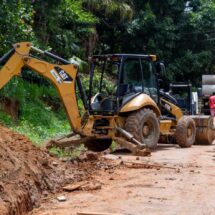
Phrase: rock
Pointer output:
(64, 159)
(82, 157)
(111, 171)
(178, 170)
(44, 162)
(72, 187)
(143, 152)
(61, 198)
(54, 163)
(91, 156)
(45, 193)
(111, 157)
(121, 163)
(170, 179)
(75, 162)
(92, 186)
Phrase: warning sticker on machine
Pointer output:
(60, 75)
(56, 76)
(66, 78)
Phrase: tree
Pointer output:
(178, 32)
(63, 25)
(15, 23)
(112, 14)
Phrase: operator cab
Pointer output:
(117, 79)
(182, 92)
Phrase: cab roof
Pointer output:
(120, 56)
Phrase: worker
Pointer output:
(212, 104)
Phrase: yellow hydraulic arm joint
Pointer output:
(62, 76)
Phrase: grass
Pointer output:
(67, 153)
(37, 120)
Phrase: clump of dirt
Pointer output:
(26, 173)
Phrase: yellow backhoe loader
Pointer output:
(130, 112)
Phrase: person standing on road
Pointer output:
(212, 104)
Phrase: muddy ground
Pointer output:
(183, 184)
(171, 181)
(28, 174)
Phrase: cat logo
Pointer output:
(60, 75)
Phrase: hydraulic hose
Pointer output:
(6, 56)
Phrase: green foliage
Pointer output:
(67, 153)
(16, 22)
(107, 86)
(37, 119)
(63, 25)
(5, 119)
(117, 9)
(180, 33)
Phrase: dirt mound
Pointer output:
(27, 172)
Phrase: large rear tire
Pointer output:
(98, 145)
(185, 132)
(144, 126)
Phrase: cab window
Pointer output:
(132, 76)
(149, 79)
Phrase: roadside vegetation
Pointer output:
(41, 116)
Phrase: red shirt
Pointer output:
(212, 102)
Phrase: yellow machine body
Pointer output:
(141, 101)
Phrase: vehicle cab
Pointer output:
(118, 78)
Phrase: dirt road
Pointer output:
(187, 187)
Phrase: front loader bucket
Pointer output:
(205, 129)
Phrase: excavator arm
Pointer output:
(63, 76)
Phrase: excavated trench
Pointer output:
(28, 173)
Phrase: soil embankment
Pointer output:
(28, 173)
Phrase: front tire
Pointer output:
(144, 126)
(185, 132)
